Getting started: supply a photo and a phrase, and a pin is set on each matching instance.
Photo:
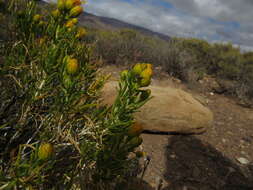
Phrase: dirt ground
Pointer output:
(211, 161)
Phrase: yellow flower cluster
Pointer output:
(68, 11)
(144, 71)
(72, 7)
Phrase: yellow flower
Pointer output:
(76, 11)
(147, 73)
(74, 20)
(61, 5)
(37, 18)
(69, 4)
(70, 23)
(42, 40)
(135, 130)
(42, 23)
(81, 33)
(149, 66)
(140, 154)
(46, 151)
(72, 66)
(139, 67)
(56, 13)
(123, 74)
(77, 2)
(145, 82)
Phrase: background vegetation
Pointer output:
(185, 58)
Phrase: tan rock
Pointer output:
(170, 110)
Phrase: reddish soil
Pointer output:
(202, 162)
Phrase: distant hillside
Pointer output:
(98, 22)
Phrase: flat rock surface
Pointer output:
(170, 110)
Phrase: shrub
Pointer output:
(55, 133)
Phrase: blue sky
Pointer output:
(213, 20)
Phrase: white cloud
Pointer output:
(210, 19)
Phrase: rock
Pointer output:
(173, 156)
(170, 110)
(243, 161)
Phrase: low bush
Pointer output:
(54, 131)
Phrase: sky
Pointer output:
(212, 20)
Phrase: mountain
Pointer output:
(99, 22)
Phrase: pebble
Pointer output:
(173, 156)
(243, 161)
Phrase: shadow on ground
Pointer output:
(194, 165)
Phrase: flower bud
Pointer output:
(146, 77)
(70, 23)
(140, 154)
(37, 18)
(149, 66)
(67, 81)
(147, 73)
(123, 74)
(56, 13)
(76, 11)
(138, 68)
(72, 66)
(69, 4)
(135, 130)
(80, 33)
(46, 151)
(77, 2)
(42, 40)
(42, 23)
(145, 82)
(61, 5)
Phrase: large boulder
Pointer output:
(170, 110)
